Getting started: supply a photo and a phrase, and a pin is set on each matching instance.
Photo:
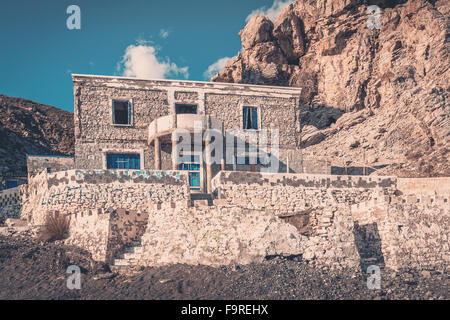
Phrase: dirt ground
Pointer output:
(29, 270)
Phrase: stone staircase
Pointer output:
(127, 261)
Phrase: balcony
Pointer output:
(164, 126)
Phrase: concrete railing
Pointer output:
(167, 124)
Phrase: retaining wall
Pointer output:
(353, 221)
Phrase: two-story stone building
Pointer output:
(129, 123)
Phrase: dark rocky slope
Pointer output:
(28, 127)
(30, 270)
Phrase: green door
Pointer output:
(193, 166)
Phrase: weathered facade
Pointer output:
(155, 109)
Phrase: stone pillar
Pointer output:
(174, 154)
(224, 148)
(208, 165)
(287, 162)
(157, 154)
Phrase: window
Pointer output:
(11, 184)
(250, 118)
(246, 160)
(121, 112)
(185, 108)
(123, 161)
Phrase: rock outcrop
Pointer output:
(28, 127)
(378, 75)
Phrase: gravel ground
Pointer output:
(29, 270)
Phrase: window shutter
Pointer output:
(255, 118)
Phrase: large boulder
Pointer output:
(288, 31)
(258, 29)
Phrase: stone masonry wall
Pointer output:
(78, 190)
(107, 208)
(9, 203)
(349, 221)
(286, 215)
(333, 221)
(105, 232)
(217, 235)
(96, 134)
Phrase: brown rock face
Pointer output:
(288, 30)
(393, 79)
(259, 29)
(30, 128)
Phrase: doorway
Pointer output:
(192, 164)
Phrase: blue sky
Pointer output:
(170, 39)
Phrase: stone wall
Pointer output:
(424, 186)
(107, 209)
(32, 197)
(332, 221)
(104, 232)
(90, 231)
(214, 236)
(78, 190)
(350, 221)
(125, 227)
(36, 164)
(10, 203)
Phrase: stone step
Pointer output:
(120, 262)
(130, 255)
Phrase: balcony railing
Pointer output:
(167, 124)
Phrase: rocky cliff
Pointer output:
(374, 79)
(27, 127)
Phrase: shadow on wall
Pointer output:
(368, 244)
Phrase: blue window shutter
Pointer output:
(129, 110)
(123, 161)
(11, 184)
(245, 118)
(254, 118)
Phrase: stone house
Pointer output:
(130, 123)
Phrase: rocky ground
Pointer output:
(29, 270)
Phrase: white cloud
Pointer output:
(163, 33)
(216, 67)
(141, 61)
(272, 12)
